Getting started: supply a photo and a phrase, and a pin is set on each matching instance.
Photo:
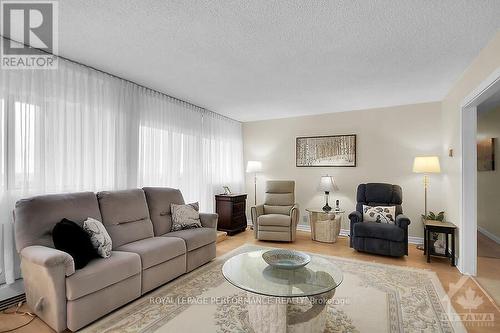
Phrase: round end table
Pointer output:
(325, 226)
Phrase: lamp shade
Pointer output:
(426, 164)
(327, 184)
(254, 166)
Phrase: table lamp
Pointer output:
(426, 165)
(327, 184)
(254, 167)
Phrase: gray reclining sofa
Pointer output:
(145, 253)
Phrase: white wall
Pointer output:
(387, 141)
(483, 66)
(488, 182)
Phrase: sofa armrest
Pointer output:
(44, 272)
(48, 258)
(209, 220)
(402, 221)
(354, 217)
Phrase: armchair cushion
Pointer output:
(274, 220)
(384, 231)
(284, 210)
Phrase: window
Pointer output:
(24, 141)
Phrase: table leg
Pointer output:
(446, 252)
(428, 246)
(425, 240)
(277, 315)
(453, 248)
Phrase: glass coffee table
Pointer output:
(282, 300)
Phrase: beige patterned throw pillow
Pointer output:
(98, 236)
(185, 216)
(380, 214)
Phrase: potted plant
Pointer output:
(438, 245)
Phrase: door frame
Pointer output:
(467, 262)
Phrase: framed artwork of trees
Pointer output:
(326, 151)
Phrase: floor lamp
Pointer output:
(426, 165)
(254, 167)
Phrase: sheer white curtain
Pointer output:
(75, 129)
(184, 147)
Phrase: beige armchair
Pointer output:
(277, 218)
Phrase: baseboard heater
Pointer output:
(12, 301)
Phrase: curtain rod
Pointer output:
(121, 78)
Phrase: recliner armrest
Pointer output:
(356, 217)
(295, 213)
(209, 220)
(402, 221)
(44, 272)
(256, 211)
(48, 257)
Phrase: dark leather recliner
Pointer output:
(379, 238)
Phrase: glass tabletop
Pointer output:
(248, 271)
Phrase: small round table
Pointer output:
(325, 226)
(276, 297)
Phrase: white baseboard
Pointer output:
(345, 232)
(488, 234)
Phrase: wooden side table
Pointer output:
(325, 226)
(231, 209)
(446, 228)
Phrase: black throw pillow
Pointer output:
(72, 239)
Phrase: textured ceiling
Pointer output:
(253, 60)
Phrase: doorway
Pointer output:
(488, 192)
(467, 262)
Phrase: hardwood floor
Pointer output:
(488, 266)
(447, 275)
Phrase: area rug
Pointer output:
(372, 298)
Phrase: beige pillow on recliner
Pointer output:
(379, 214)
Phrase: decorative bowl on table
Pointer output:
(286, 259)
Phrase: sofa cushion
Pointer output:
(101, 273)
(35, 217)
(156, 250)
(195, 238)
(125, 215)
(274, 219)
(379, 230)
(159, 200)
